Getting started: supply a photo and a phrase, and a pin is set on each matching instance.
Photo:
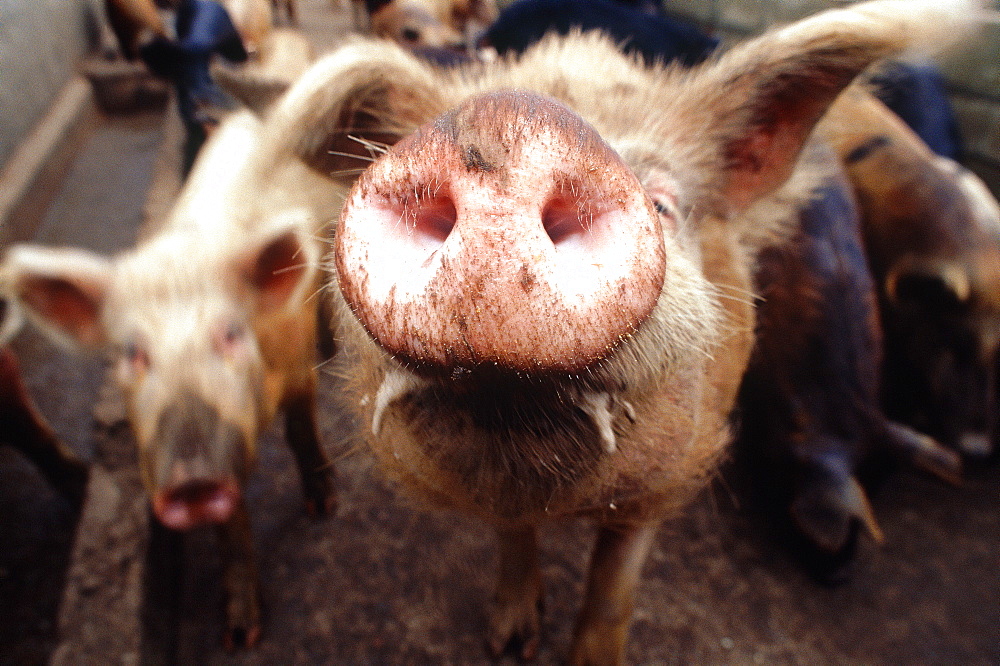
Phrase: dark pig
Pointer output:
(212, 327)
(24, 428)
(543, 284)
(654, 37)
(932, 232)
(812, 424)
(134, 24)
(917, 93)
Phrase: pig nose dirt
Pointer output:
(196, 503)
(504, 233)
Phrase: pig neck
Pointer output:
(515, 450)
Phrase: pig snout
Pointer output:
(505, 233)
(195, 464)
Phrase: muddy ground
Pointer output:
(385, 582)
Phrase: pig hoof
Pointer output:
(242, 637)
(321, 495)
(74, 488)
(517, 629)
(323, 506)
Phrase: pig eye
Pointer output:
(136, 356)
(411, 35)
(233, 333)
(229, 337)
(662, 207)
(666, 208)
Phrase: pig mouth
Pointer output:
(196, 503)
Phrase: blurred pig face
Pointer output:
(193, 375)
(205, 322)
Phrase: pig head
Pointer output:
(448, 24)
(195, 319)
(932, 232)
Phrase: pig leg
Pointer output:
(517, 604)
(924, 452)
(317, 472)
(241, 581)
(828, 501)
(615, 568)
(22, 426)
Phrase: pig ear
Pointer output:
(349, 105)
(280, 268)
(764, 97)
(62, 291)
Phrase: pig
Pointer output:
(449, 24)
(134, 23)
(541, 279)
(23, 426)
(812, 425)
(253, 19)
(259, 82)
(288, 7)
(211, 325)
(931, 229)
(917, 93)
(654, 37)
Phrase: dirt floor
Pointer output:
(384, 582)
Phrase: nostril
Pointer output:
(563, 218)
(199, 502)
(434, 217)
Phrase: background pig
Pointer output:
(134, 23)
(23, 426)
(543, 283)
(652, 36)
(211, 324)
(451, 24)
(932, 232)
(812, 425)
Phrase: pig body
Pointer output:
(932, 232)
(288, 8)
(652, 36)
(212, 329)
(134, 23)
(543, 283)
(916, 92)
(810, 401)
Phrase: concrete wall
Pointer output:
(973, 71)
(41, 42)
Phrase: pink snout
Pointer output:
(196, 503)
(505, 233)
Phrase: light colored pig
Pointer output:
(544, 285)
(211, 324)
(445, 24)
